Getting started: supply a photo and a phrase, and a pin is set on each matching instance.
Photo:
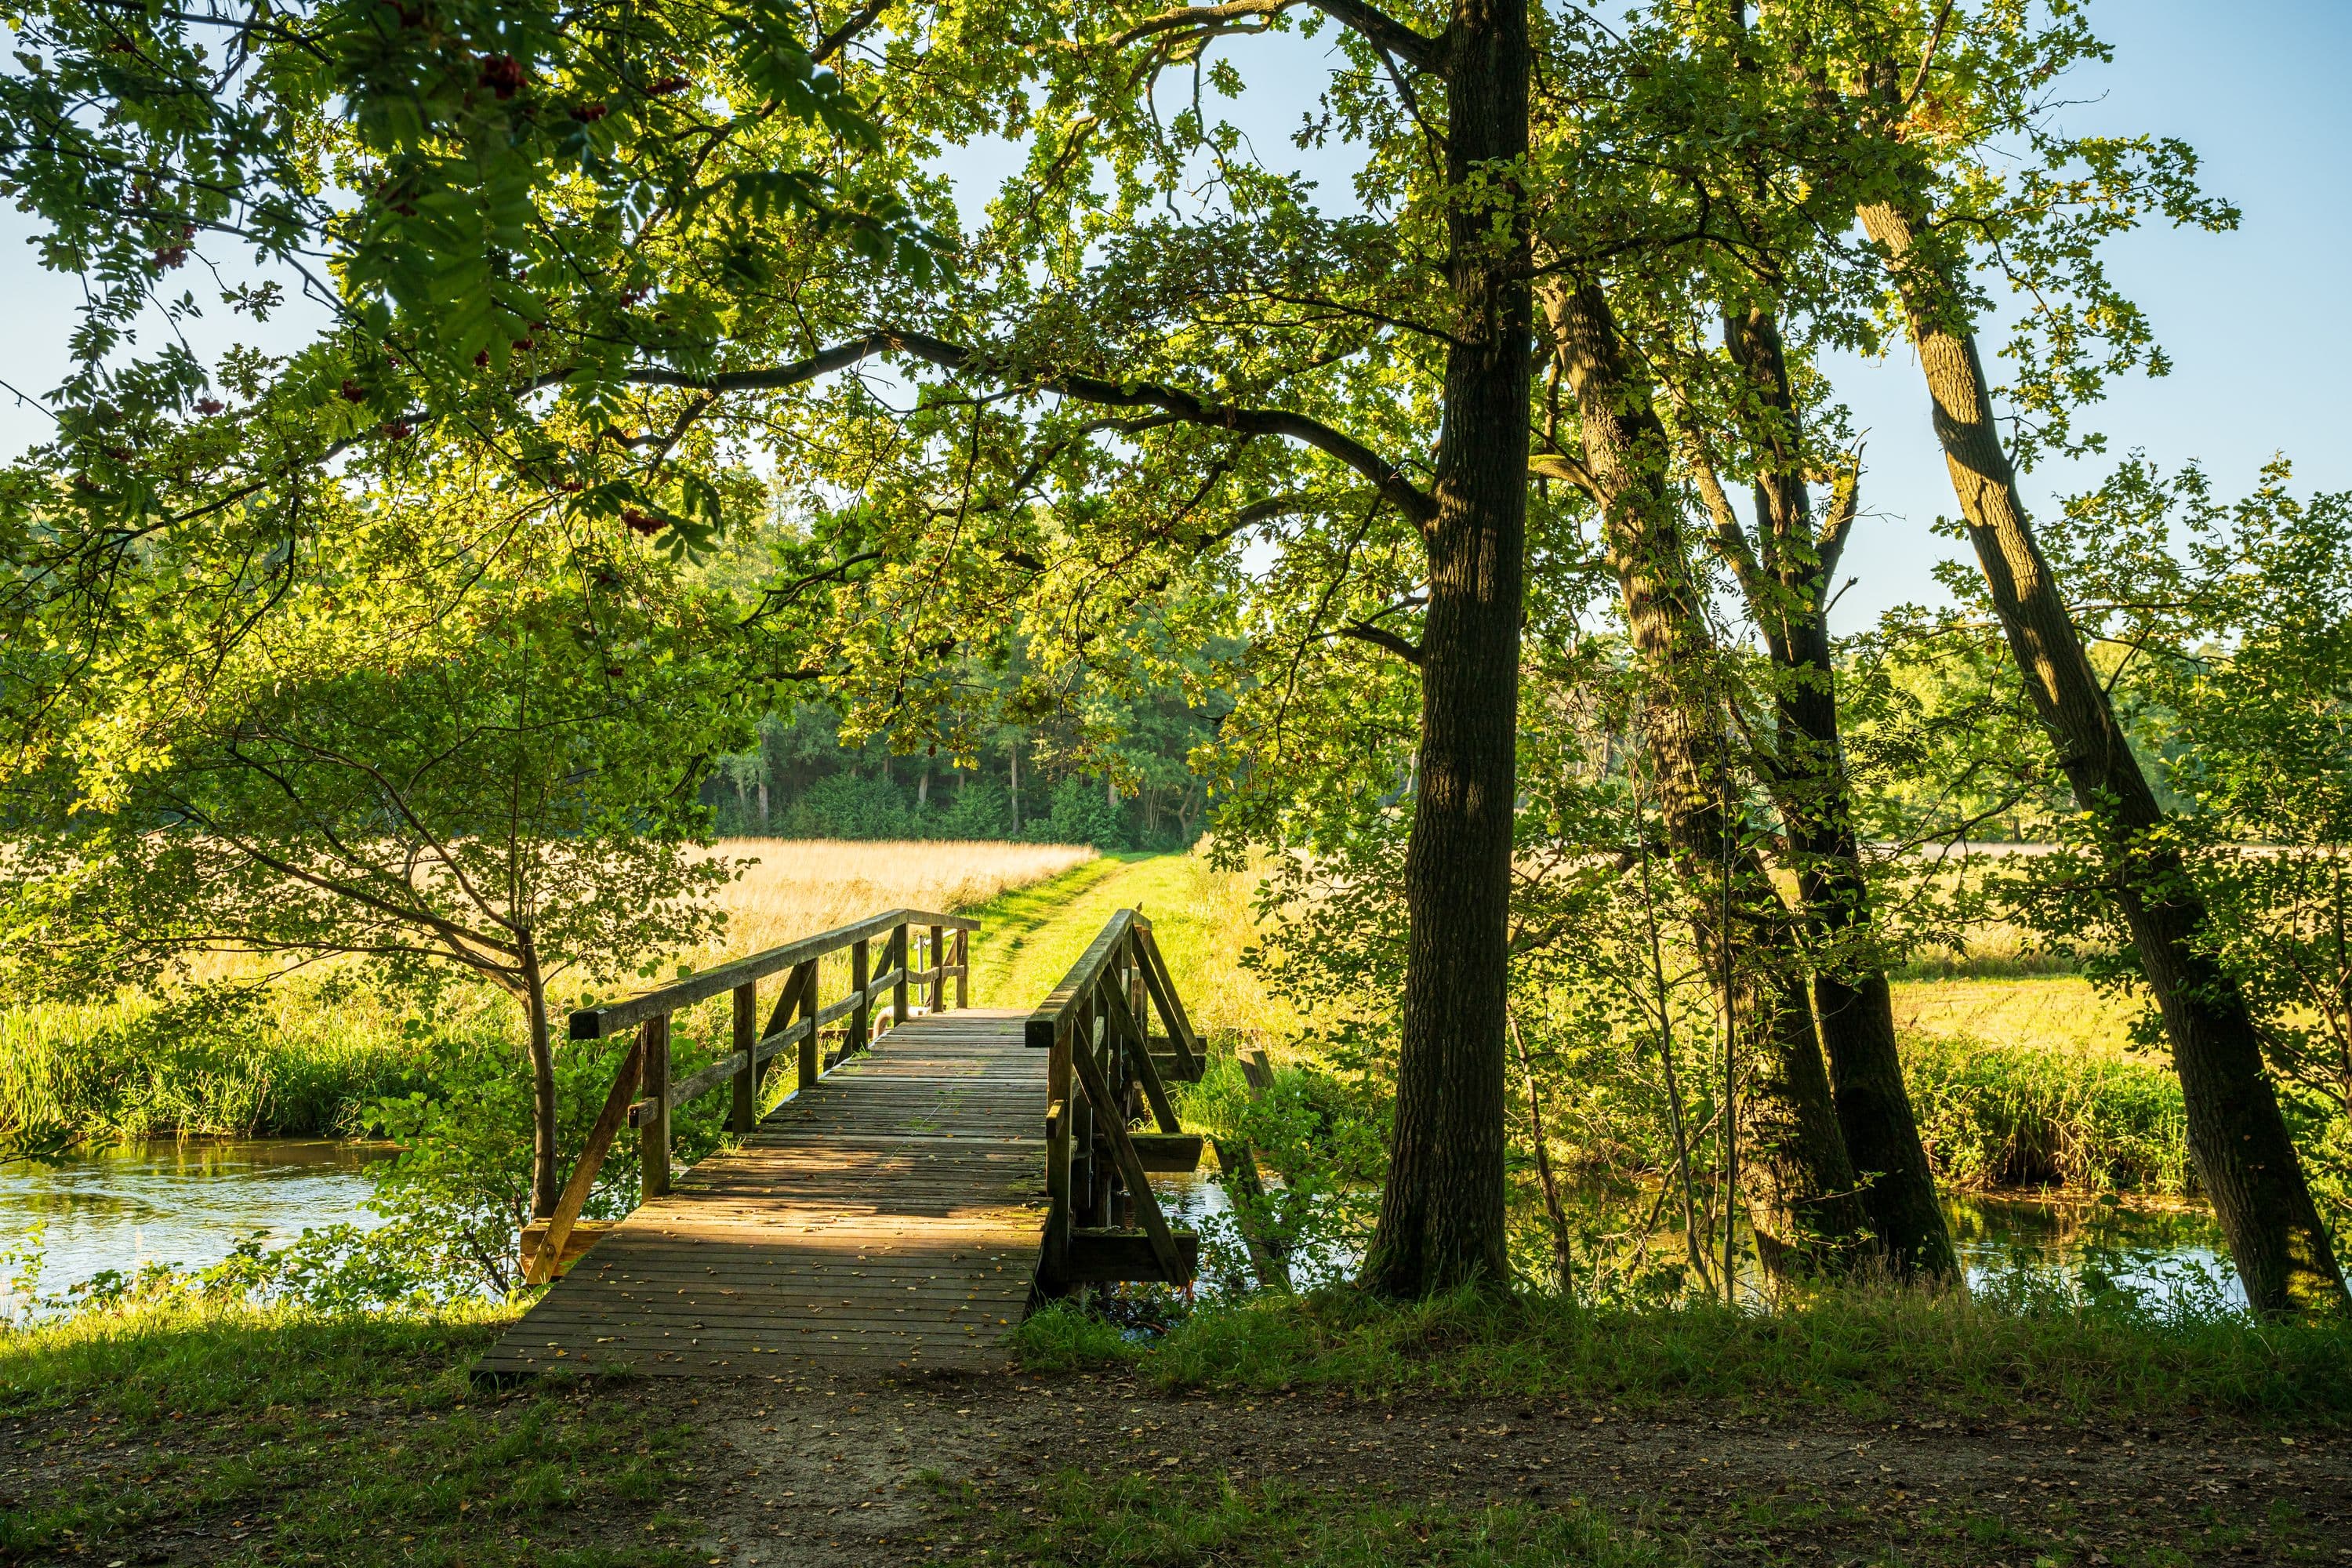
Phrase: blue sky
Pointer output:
(2253, 319)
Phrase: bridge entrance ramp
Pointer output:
(888, 1216)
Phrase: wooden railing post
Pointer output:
(804, 978)
(937, 967)
(963, 968)
(898, 991)
(653, 1135)
(1060, 1111)
(745, 1111)
(861, 1015)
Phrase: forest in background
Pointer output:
(800, 782)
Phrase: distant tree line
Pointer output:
(1027, 782)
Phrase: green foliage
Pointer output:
(1081, 814)
(1323, 1135)
(475, 193)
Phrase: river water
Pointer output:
(185, 1202)
(188, 1203)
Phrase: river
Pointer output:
(187, 1203)
(182, 1202)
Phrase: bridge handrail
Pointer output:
(796, 1020)
(599, 1023)
(1096, 1024)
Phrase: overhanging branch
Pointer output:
(1285, 424)
(1385, 32)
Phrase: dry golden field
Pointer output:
(795, 887)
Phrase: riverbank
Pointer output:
(309, 1054)
(1874, 1427)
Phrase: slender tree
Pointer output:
(2245, 1158)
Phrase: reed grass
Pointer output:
(2025, 1115)
(300, 1060)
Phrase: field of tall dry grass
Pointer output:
(793, 887)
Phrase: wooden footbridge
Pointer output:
(937, 1170)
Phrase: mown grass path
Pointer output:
(1029, 938)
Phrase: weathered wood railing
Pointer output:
(643, 1095)
(1108, 1071)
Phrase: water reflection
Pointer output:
(181, 1201)
(2173, 1254)
(2069, 1245)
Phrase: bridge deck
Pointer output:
(890, 1215)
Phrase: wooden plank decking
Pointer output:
(890, 1215)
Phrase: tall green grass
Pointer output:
(302, 1059)
(2021, 1115)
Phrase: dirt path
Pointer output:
(978, 1470)
(880, 1472)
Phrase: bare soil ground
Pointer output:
(885, 1472)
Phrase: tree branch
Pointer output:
(858, 22)
(1729, 539)
(1560, 466)
(1286, 424)
(1844, 491)
(1385, 32)
(1381, 637)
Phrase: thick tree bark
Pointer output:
(2237, 1137)
(1797, 1178)
(1786, 584)
(1441, 1214)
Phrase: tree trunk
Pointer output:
(923, 788)
(763, 803)
(1442, 1213)
(546, 1186)
(2237, 1137)
(1013, 760)
(1797, 1178)
(1788, 590)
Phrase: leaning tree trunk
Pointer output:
(1441, 1214)
(2236, 1136)
(1797, 1178)
(1788, 585)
